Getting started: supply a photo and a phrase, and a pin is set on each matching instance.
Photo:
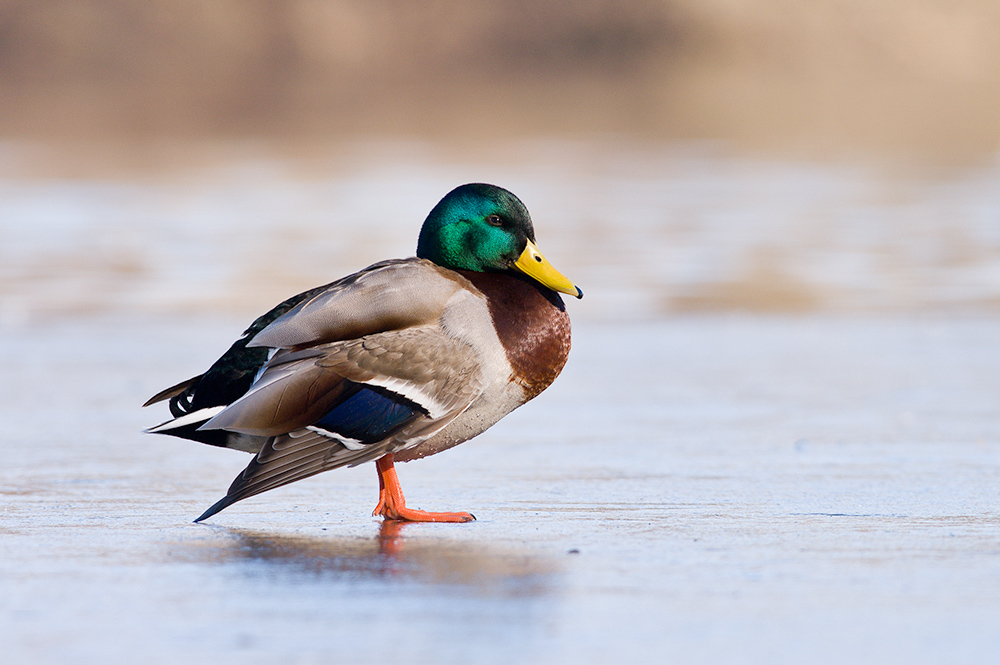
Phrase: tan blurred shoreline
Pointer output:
(830, 78)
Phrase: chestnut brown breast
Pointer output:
(532, 324)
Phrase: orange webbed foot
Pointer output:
(412, 515)
(392, 503)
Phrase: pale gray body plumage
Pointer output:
(407, 326)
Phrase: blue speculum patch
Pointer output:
(369, 415)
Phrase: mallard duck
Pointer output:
(399, 361)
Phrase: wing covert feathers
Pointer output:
(391, 295)
(426, 366)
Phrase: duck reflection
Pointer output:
(391, 555)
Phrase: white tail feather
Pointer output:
(199, 416)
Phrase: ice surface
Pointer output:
(703, 489)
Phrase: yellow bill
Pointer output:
(532, 263)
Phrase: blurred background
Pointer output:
(762, 155)
(824, 77)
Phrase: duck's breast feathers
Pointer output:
(532, 325)
(390, 295)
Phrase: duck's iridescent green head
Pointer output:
(485, 228)
(476, 227)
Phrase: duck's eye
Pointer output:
(494, 220)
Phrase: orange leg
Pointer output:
(392, 504)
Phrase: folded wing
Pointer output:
(325, 404)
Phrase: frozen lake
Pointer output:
(810, 476)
